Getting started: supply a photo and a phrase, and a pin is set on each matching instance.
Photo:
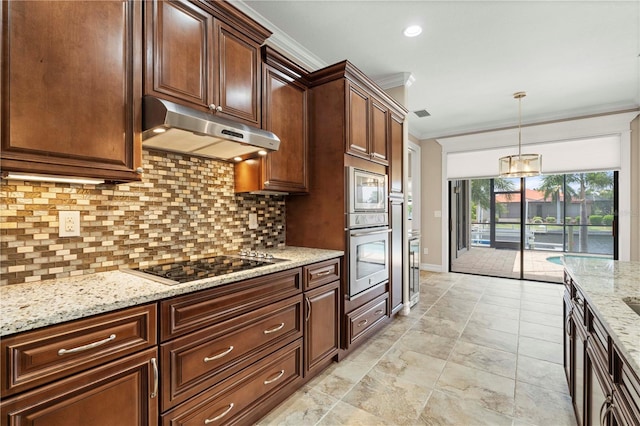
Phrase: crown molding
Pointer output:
(395, 80)
(281, 41)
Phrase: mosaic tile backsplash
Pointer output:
(184, 208)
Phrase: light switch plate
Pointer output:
(69, 224)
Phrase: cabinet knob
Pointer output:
(212, 107)
(218, 108)
(139, 170)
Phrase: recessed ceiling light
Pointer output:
(413, 31)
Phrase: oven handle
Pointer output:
(362, 234)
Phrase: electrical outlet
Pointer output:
(253, 221)
(425, 251)
(69, 224)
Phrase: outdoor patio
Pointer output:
(506, 263)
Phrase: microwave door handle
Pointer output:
(362, 234)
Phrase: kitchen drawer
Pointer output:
(599, 336)
(234, 400)
(121, 392)
(627, 385)
(579, 303)
(365, 318)
(192, 363)
(181, 315)
(321, 273)
(36, 357)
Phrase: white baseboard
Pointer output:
(431, 267)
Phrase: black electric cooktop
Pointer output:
(182, 272)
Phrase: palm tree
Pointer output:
(481, 192)
(553, 184)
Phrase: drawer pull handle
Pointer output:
(218, 356)
(379, 312)
(87, 347)
(323, 273)
(363, 322)
(218, 417)
(306, 299)
(156, 378)
(274, 329)
(280, 374)
(567, 323)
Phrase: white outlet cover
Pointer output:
(253, 221)
(69, 224)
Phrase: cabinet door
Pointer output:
(357, 121)
(237, 75)
(597, 395)
(179, 52)
(379, 131)
(578, 371)
(285, 114)
(70, 102)
(119, 393)
(397, 246)
(396, 153)
(321, 337)
(568, 339)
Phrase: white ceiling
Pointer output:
(573, 58)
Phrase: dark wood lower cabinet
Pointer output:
(605, 390)
(245, 397)
(322, 326)
(115, 394)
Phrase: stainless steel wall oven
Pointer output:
(368, 259)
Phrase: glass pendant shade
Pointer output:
(523, 165)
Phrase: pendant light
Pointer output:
(521, 165)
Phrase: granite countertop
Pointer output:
(607, 284)
(32, 305)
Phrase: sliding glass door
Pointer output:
(520, 228)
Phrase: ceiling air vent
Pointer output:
(422, 113)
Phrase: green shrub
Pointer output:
(568, 219)
(607, 219)
(550, 219)
(577, 219)
(536, 219)
(595, 219)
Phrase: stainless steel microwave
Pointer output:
(367, 191)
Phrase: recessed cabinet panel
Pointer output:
(179, 52)
(379, 131)
(396, 143)
(285, 112)
(358, 124)
(69, 98)
(237, 75)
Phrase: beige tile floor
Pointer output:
(474, 351)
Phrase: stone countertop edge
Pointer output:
(606, 284)
(29, 306)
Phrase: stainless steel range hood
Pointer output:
(172, 127)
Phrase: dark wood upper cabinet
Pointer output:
(70, 92)
(179, 49)
(368, 124)
(379, 131)
(396, 160)
(238, 75)
(358, 121)
(284, 112)
(204, 55)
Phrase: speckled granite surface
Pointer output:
(606, 285)
(33, 305)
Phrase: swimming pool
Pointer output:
(558, 259)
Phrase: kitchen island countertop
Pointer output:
(606, 285)
(33, 305)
